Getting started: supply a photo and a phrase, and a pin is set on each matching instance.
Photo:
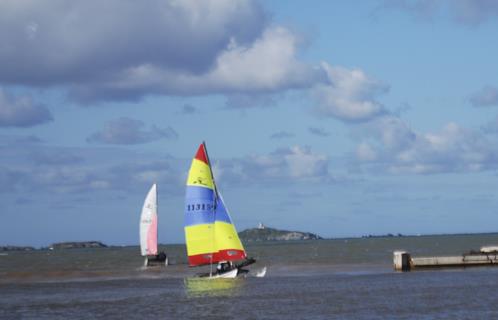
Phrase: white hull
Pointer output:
(226, 275)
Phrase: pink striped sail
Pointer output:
(148, 224)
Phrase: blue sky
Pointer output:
(342, 118)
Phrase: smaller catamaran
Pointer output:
(210, 235)
(148, 231)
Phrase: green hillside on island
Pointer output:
(271, 234)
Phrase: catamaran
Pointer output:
(211, 237)
(148, 231)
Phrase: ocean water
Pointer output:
(327, 279)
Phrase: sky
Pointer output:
(342, 118)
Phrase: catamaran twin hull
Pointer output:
(148, 231)
(210, 234)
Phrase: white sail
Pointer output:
(148, 224)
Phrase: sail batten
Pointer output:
(209, 232)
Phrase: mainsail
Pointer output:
(210, 234)
(148, 224)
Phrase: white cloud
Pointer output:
(302, 163)
(365, 152)
(266, 65)
(130, 131)
(131, 49)
(20, 111)
(293, 164)
(350, 95)
(393, 147)
(43, 170)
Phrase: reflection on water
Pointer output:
(205, 287)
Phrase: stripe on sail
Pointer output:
(209, 233)
(152, 237)
(199, 211)
(228, 245)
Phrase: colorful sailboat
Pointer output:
(148, 230)
(210, 234)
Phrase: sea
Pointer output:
(316, 279)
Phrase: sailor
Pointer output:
(161, 256)
(224, 266)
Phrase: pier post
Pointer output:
(401, 260)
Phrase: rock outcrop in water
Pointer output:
(77, 245)
(271, 234)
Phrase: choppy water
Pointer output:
(331, 279)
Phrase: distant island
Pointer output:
(16, 248)
(389, 235)
(58, 246)
(262, 233)
(77, 245)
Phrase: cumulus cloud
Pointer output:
(465, 12)
(59, 44)
(350, 95)
(318, 132)
(21, 111)
(45, 170)
(487, 96)
(266, 65)
(130, 131)
(393, 147)
(70, 178)
(158, 47)
(293, 164)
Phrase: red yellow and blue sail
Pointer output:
(209, 232)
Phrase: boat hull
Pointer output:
(230, 274)
(160, 259)
(227, 275)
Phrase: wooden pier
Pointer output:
(403, 261)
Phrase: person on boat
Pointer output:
(162, 257)
(224, 266)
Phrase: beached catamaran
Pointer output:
(210, 235)
(148, 231)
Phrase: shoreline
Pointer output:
(365, 237)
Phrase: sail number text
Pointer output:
(200, 207)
